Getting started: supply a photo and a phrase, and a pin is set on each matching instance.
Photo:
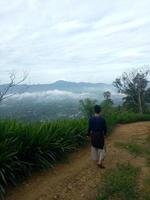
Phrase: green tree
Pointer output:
(147, 96)
(134, 85)
(107, 98)
(87, 106)
(107, 104)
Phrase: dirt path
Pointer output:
(78, 179)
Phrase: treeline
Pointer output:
(135, 89)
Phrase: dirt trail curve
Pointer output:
(79, 177)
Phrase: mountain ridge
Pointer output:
(59, 85)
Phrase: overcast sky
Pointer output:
(74, 40)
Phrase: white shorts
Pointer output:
(98, 154)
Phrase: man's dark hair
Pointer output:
(97, 109)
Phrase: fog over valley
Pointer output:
(52, 101)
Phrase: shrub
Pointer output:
(28, 147)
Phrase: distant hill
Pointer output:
(56, 100)
(61, 85)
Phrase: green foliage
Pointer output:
(147, 181)
(107, 98)
(137, 149)
(107, 107)
(147, 95)
(87, 107)
(135, 87)
(111, 121)
(134, 148)
(120, 182)
(145, 196)
(115, 117)
(28, 147)
(140, 149)
(128, 117)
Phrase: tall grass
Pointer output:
(128, 117)
(26, 147)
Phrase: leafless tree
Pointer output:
(4, 94)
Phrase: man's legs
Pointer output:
(101, 156)
(94, 154)
(98, 155)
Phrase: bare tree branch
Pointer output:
(13, 83)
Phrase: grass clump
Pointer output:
(145, 196)
(145, 192)
(128, 117)
(120, 182)
(137, 149)
(147, 150)
(133, 148)
(113, 118)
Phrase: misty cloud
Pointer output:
(51, 95)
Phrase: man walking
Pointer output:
(97, 130)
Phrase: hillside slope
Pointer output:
(78, 178)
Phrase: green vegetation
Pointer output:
(138, 149)
(87, 107)
(147, 181)
(146, 193)
(120, 182)
(134, 85)
(116, 117)
(134, 148)
(128, 117)
(28, 147)
(146, 196)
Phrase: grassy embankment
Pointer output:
(122, 182)
(25, 148)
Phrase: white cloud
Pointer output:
(51, 95)
(69, 26)
(72, 39)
